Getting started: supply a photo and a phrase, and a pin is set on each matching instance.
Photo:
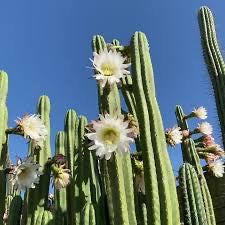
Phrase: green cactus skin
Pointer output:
(60, 195)
(192, 196)
(190, 156)
(37, 199)
(15, 211)
(88, 215)
(117, 193)
(216, 187)
(161, 196)
(85, 214)
(214, 61)
(3, 140)
(44, 217)
(73, 204)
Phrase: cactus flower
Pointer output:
(110, 134)
(205, 128)
(217, 167)
(110, 67)
(200, 112)
(174, 136)
(33, 128)
(61, 176)
(26, 174)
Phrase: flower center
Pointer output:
(108, 69)
(110, 136)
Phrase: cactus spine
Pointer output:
(159, 179)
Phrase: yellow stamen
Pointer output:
(108, 69)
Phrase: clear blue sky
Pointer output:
(45, 48)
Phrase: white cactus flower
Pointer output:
(174, 136)
(110, 67)
(200, 112)
(205, 128)
(217, 167)
(110, 134)
(33, 128)
(26, 174)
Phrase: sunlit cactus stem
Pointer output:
(3, 140)
(191, 195)
(190, 156)
(214, 61)
(120, 197)
(37, 199)
(60, 195)
(161, 197)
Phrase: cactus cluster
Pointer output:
(98, 177)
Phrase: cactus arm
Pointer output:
(60, 195)
(15, 211)
(149, 116)
(73, 188)
(109, 102)
(3, 140)
(214, 61)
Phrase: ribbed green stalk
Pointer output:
(73, 204)
(3, 140)
(190, 155)
(15, 211)
(109, 102)
(60, 195)
(37, 199)
(85, 214)
(214, 61)
(191, 196)
(161, 197)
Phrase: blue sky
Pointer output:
(45, 48)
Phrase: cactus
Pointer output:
(191, 195)
(118, 168)
(3, 140)
(161, 197)
(60, 195)
(190, 156)
(15, 211)
(214, 61)
(37, 199)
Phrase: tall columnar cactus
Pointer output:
(71, 130)
(3, 140)
(214, 61)
(15, 211)
(119, 191)
(37, 199)
(191, 196)
(161, 197)
(190, 156)
(60, 195)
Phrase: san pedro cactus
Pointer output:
(190, 156)
(161, 197)
(191, 196)
(98, 177)
(3, 140)
(214, 61)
